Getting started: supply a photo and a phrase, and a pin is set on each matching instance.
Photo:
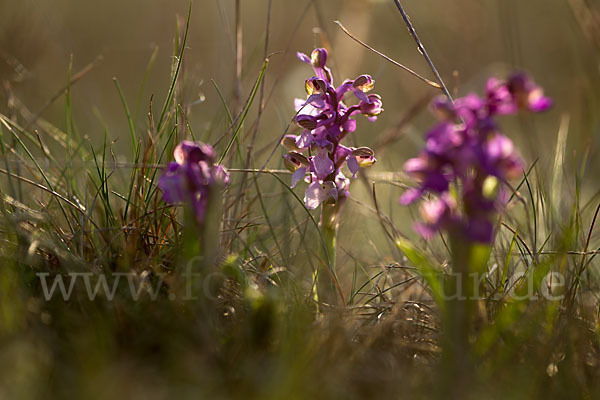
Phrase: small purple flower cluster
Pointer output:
(466, 158)
(325, 121)
(192, 177)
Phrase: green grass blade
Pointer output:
(127, 114)
(246, 109)
(176, 74)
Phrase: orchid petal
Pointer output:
(322, 165)
(298, 176)
(304, 140)
(313, 195)
(353, 166)
(410, 196)
(303, 57)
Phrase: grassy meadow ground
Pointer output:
(95, 96)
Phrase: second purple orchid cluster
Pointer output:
(466, 159)
(325, 121)
(192, 177)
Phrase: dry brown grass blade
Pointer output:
(59, 196)
(380, 54)
(588, 19)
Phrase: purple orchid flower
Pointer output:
(192, 177)
(466, 158)
(325, 120)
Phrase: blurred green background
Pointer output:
(556, 41)
(473, 39)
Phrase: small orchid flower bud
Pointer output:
(318, 58)
(372, 107)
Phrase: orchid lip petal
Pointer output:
(410, 196)
(416, 165)
(313, 195)
(353, 166)
(322, 165)
(172, 184)
(298, 176)
(304, 140)
(349, 125)
(303, 57)
(360, 95)
(433, 211)
(341, 153)
(424, 230)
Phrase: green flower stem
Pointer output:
(202, 241)
(461, 291)
(327, 289)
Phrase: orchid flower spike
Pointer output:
(324, 120)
